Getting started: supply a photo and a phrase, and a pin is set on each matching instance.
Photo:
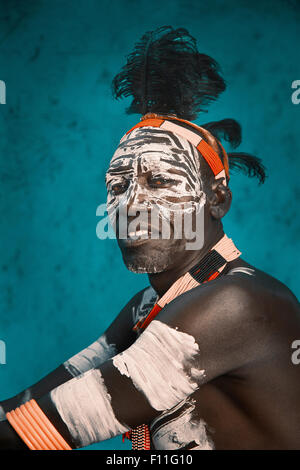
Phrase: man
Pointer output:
(202, 356)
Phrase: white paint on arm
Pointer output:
(84, 404)
(91, 357)
(161, 365)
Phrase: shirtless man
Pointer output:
(213, 369)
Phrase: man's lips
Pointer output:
(140, 236)
(141, 230)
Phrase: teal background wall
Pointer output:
(60, 285)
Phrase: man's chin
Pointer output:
(153, 258)
(144, 269)
(145, 264)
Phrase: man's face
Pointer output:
(154, 177)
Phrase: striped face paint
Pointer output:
(154, 171)
(170, 163)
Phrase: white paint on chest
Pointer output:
(249, 271)
(162, 365)
(182, 429)
(84, 404)
(91, 357)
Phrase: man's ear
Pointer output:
(221, 199)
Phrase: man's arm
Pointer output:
(117, 337)
(203, 334)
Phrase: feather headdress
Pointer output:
(166, 74)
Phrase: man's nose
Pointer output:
(137, 197)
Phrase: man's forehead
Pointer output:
(152, 154)
(145, 158)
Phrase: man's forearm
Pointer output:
(57, 377)
(154, 374)
(89, 358)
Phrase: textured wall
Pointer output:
(60, 127)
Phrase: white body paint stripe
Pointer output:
(157, 363)
(91, 357)
(85, 406)
(248, 271)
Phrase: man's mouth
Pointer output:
(138, 234)
(132, 242)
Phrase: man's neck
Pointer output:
(161, 282)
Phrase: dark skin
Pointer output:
(244, 326)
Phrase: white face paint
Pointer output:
(85, 407)
(162, 157)
(178, 428)
(91, 357)
(154, 174)
(162, 365)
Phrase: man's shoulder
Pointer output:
(268, 292)
(232, 321)
(249, 294)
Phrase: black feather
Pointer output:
(250, 165)
(166, 74)
(227, 129)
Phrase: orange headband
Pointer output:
(163, 122)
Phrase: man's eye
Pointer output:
(119, 188)
(161, 181)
